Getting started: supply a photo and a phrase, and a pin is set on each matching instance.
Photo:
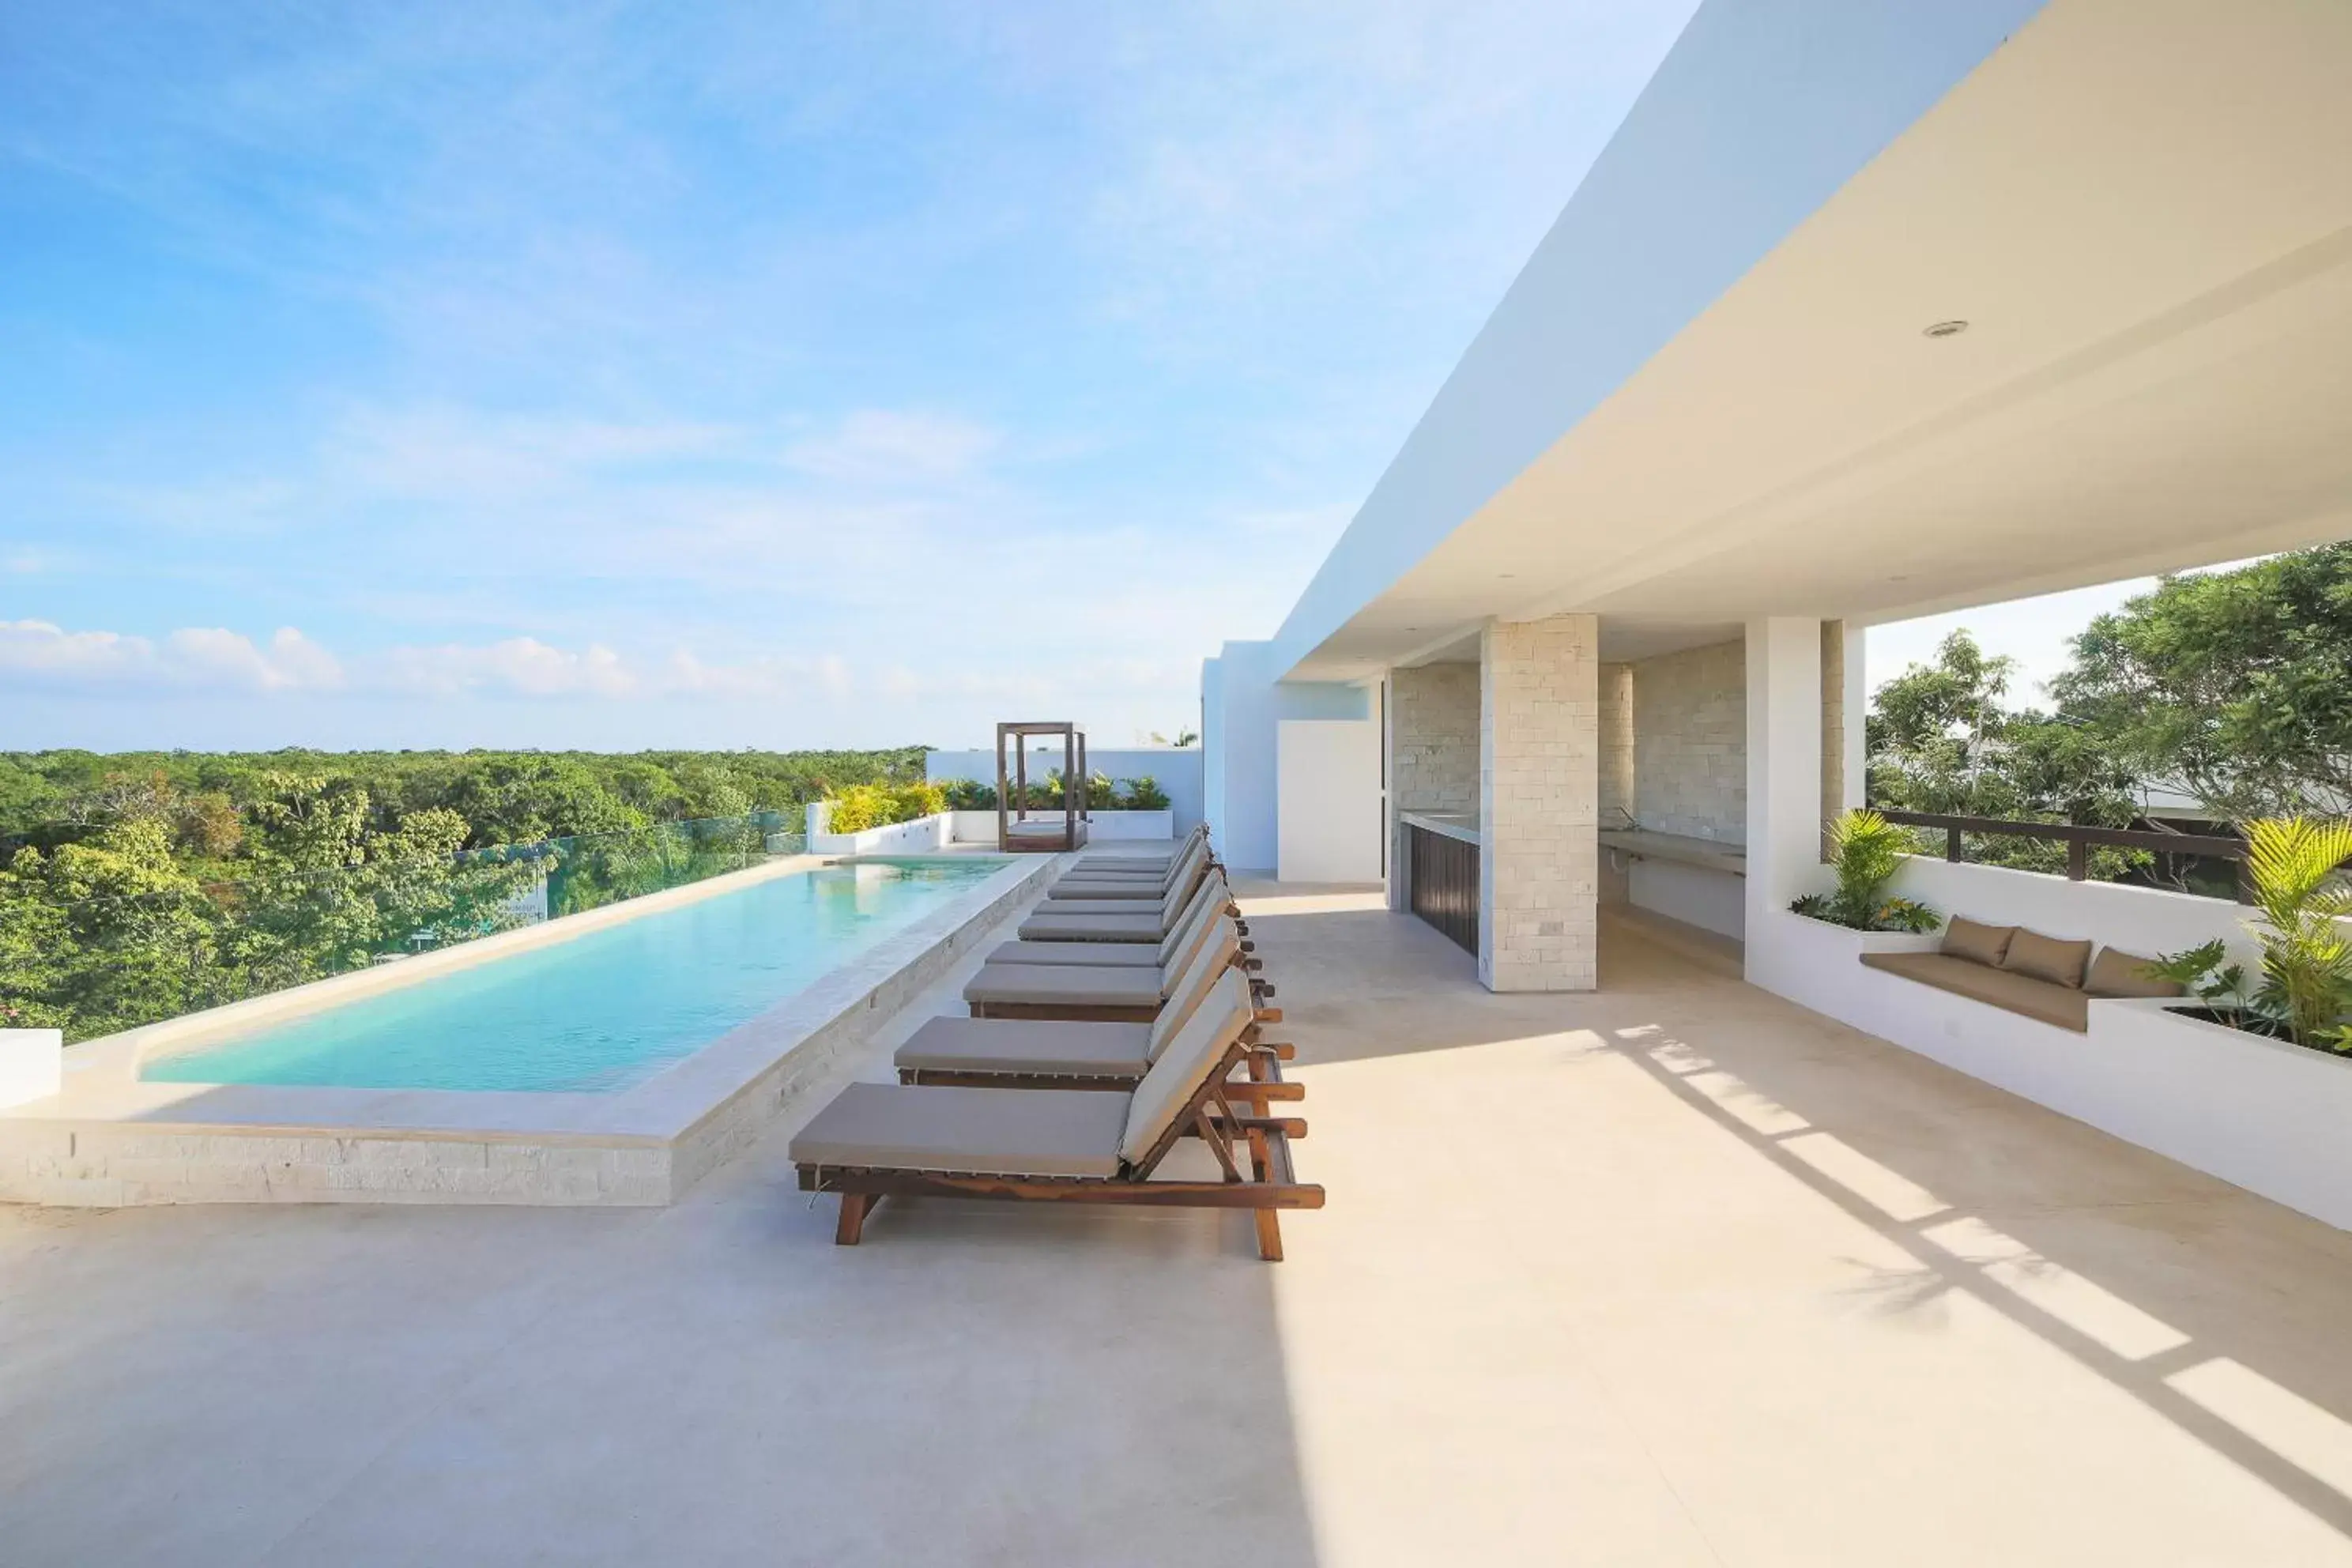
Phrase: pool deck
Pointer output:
(113, 1139)
(1673, 1273)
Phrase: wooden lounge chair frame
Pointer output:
(1210, 1115)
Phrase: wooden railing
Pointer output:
(2079, 840)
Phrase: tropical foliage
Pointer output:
(2234, 688)
(1867, 851)
(2304, 990)
(136, 887)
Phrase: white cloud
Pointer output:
(41, 654)
(876, 445)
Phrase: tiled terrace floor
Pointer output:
(1671, 1274)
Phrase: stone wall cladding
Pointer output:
(1690, 742)
(1540, 758)
(1433, 737)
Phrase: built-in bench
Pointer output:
(2025, 973)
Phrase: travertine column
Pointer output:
(1539, 791)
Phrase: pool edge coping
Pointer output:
(645, 1144)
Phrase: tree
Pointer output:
(1940, 740)
(2232, 686)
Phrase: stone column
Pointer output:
(1539, 790)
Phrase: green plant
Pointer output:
(2304, 989)
(861, 807)
(2307, 960)
(969, 795)
(1145, 794)
(920, 800)
(1866, 850)
(2206, 972)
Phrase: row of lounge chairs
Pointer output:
(1124, 1018)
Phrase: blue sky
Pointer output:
(780, 376)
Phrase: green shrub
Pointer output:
(861, 807)
(1145, 794)
(1867, 851)
(969, 794)
(920, 800)
(2305, 990)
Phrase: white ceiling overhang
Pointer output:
(2142, 210)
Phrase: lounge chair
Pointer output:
(1171, 904)
(876, 1141)
(1054, 1053)
(1079, 885)
(1205, 903)
(1100, 993)
(1050, 921)
(1151, 859)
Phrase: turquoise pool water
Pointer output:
(600, 1012)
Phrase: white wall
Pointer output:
(1711, 901)
(1329, 820)
(1179, 771)
(1241, 704)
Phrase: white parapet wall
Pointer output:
(2262, 1113)
(923, 836)
(32, 1064)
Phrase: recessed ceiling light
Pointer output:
(1945, 329)
(1506, 574)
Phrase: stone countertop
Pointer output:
(1707, 854)
(1461, 824)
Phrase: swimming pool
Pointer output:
(602, 1011)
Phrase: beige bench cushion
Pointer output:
(2115, 972)
(1976, 942)
(1027, 1045)
(2038, 999)
(988, 1131)
(2040, 957)
(1064, 985)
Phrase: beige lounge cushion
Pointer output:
(1056, 926)
(2040, 957)
(1140, 908)
(2115, 972)
(1193, 986)
(987, 1131)
(1041, 1047)
(1184, 1065)
(1062, 985)
(1975, 943)
(1113, 954)
(1105, 888)
(2036, 999)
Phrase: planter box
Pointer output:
(32, 1064)
(924, 835)
(2263, 1114)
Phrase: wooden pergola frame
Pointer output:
(1074, 785)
